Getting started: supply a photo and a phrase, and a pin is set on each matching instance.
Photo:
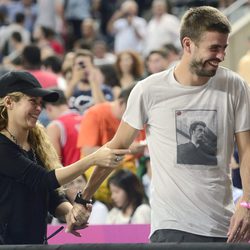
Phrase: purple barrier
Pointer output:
(103, 234)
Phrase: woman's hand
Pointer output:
(112, 158)
(77, 218)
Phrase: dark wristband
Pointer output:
(82, 201)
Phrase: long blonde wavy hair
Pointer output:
(38, 138)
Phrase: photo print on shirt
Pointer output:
(196, 136)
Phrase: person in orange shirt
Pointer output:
(98, 126)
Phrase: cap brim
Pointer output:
(47, 95)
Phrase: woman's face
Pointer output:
(118, 195)
(26, 111)
(126, 63)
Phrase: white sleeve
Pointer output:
(135, 114)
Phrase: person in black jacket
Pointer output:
(30, 172)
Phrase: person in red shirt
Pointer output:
(31, 61)
(63, 129)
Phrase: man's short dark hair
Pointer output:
(162, 52)
(31, 57)
(194, 125)
(19, 17)
(16, 36)
(54, 62)
(198, 20)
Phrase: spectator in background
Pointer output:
(63, 129)
(162, 28)
(74, 12)
(17, 46)
(244, 64)
(86, 87)
(128, 198)
(90, 34)
(106, 9)
(31, 61)
(54, 64)
(67, 65)
(98, 126)
(129, 30)
(111, 79)
(89, 31)
(16, 26)
(45, 38)
(173, 54)
(156, 61)
(28, 8)
(130, 68)
(236, 178)
(49, 15)
(3, 16)
(101, 54)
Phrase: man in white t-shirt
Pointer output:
(128, 28)
(192, 202)
(162, 28)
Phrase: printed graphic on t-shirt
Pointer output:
(196, 135)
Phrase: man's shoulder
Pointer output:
(156, 77)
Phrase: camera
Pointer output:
(82, 64)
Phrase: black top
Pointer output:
(27, 194)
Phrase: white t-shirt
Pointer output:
(140, 216)
(194, 198)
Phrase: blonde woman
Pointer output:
(30, 172)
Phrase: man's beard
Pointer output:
(197, 67)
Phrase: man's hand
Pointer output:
(77, 218)
(239, 229)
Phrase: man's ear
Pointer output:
(187, 42)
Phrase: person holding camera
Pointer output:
(127, 28)
(30, 171)
(86, 87)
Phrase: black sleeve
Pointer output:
(55, 199)
(15, 165)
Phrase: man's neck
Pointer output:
(183, 75)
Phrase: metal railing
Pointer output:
(237, 9)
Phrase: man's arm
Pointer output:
(123, 138)
(239, 229)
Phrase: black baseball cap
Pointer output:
(23, 81)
